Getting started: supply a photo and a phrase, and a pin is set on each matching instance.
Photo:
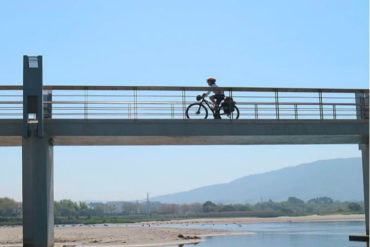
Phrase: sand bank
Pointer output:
(240, 220)
(115, 236)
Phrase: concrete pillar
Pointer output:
(37, 161)
(38, 192)
(362, 109)
(365, 170)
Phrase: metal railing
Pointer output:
(143, 102)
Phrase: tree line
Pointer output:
(67, 211)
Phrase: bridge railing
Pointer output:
(126, 102)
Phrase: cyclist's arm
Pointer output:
(208, 93)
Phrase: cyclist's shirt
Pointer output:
(217, 92)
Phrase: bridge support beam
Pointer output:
(38, 196)
(365, 169)
(37, 161)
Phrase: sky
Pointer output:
(265, 43)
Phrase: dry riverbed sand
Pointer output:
(141, 236)
(115, 236)
(266, 220)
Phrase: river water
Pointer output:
(285, 234)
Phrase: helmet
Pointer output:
(211, 80)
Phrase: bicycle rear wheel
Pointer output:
(235, 113)
(196, 111)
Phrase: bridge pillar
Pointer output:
(365, 170)
(37, 161)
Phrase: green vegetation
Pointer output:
(69, 212)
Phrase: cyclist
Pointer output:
(217, 97)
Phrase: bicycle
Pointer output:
(199, 110)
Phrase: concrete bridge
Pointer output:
(39, 117)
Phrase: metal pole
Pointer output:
(295, 111)
(183, 97)
(334, 112)
(48, 96)
(86, 99)
(135, 104)
(277, 104)
(172, 111)
(320, 106)
(256, 111)
(129, 111)
(37, 162)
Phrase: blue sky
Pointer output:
(266, 43)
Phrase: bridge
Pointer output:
(38, 117)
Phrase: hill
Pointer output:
(340, 179)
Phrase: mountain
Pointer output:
(340, 179)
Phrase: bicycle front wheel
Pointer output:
(196, 111)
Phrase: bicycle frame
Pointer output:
(209, 106)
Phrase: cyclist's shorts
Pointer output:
(219, 98)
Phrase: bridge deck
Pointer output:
(192, 132)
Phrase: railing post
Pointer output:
(135, 104)
(48, 97)
(129, 111)
(86, 106)
(172, 111)
(320, 106)
(183, 96)
(277, 104)
(295, 111)
(256, 111)
(334, 111)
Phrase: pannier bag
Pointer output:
(228, 105)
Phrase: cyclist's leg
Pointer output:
(213, 99)
(219, 98)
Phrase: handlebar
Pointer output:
(200, 97)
